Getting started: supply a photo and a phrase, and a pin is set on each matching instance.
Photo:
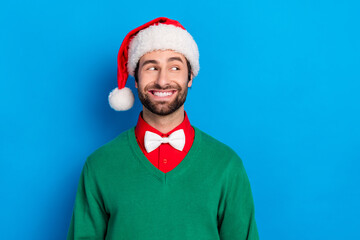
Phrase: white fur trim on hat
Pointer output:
(121, 99)
(163, 37)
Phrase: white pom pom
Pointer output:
(121, 99)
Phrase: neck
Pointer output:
(166, 123)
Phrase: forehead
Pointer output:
(162, 55)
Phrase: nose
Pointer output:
(162, 78)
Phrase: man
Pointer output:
(163, 179)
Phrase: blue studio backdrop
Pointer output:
(278, 82)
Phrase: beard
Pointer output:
(163, 108)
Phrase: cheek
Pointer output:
(179, 77)
(145, 78)
(141, 85)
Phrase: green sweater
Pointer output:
(122, 196)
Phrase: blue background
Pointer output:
(278, 82)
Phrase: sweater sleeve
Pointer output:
(236, 210)
(89, 218)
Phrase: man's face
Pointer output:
(163, 81)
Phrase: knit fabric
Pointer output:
(122, 196)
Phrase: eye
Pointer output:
(151, 68)
(175, 68)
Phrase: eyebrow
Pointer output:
(175, 59)
(156, 62)
(149, 61)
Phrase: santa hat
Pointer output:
(159, 34)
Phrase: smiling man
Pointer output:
(164, 178)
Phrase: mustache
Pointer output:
(157, 86)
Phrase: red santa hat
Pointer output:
(158, 34)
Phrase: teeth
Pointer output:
(162, 94)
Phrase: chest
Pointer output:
(144, 202)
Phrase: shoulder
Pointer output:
(219, 151)
(113, 150)
(223, 160)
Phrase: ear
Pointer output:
(136, 84)
(191, 80)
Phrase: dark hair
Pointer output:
(137, 69)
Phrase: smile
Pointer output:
(162, 93)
